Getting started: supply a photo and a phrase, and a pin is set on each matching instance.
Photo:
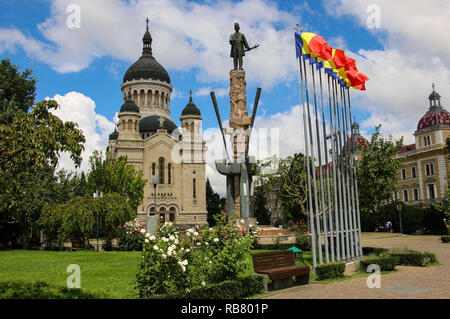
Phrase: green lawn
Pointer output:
(104, 274)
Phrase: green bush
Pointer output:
(374, 251)
(275, 247)
(40, 290)
(129, 236)
(413, 258)
(228, 289)
(445, 238)
(331, 270)
(385, 262)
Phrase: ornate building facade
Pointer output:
(152, 142)
(423, 176)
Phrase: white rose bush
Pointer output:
(177, 260)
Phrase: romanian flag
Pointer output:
(334, 61)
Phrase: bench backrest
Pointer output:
(271, 260)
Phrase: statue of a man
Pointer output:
(238, 43)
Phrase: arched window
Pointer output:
(194, 195)
(169, 173)
(161, 170)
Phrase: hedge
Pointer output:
(413, 218)
(445, 238)
(331, 270)
(40, 290)
(228, 289)
(385, 262)
(413, 258)
(373, 251)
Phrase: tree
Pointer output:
(109, 175)
(377, 173)
(77, 217)
(17, 91)
(31, 141)
(262, 214)
(212, 204)
(287, 181)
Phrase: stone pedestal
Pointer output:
(239, 123)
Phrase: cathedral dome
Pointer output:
(190, 108)
(114, 135)
(146, 67)
(129, 105)
(153, 123)
(436, 116)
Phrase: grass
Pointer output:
(104, 274)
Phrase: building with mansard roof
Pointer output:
(148, 136)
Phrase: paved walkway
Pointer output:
(408, 282)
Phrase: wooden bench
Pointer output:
(280, 267)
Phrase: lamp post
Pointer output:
(155, 182)
(96, 218)
(399, 208)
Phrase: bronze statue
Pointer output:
(238, 43)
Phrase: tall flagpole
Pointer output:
(316, 206)
(325, 148)
(335, 175)
(307, 144)
(355, 179)
(348, 174)
(342, 180)
(319, 153)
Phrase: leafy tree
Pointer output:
(262, 214)
(31, 141)
(17, 91)
(287, 181)
(77, 217)
(212, 204)
(377, 173)
(109, 175)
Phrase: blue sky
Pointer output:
(190, 41)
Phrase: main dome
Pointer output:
(436, 116)
(146, 67)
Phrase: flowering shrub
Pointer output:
(175, 260)
(130, 235)
(302, 238)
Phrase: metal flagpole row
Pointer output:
(325, 148)
(307, 162)
(319, 153)
(316, 205)
(342, 200)
(355, 184)
(333, 163)
(346, 152)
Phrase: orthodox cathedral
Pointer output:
(147, 135)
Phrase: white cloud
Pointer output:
(185, 35)
(204, 91)
(78, 108)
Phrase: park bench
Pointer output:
(279, 266)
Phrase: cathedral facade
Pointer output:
(151, 141)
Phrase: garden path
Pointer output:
(407, 282)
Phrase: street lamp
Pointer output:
(96, 217)
(154, 182)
